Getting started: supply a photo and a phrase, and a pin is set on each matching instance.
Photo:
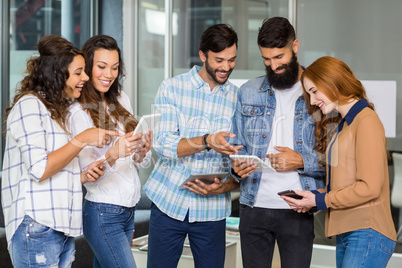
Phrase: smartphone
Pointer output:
(291, 194)
(103, 162)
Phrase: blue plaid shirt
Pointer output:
(55, 202)
(189, 109)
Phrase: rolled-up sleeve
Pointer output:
(167, 135)
(26, 128)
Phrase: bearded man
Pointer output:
(271, 121)
(196, 111)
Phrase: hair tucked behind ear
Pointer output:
(91, 99)
(336, 81)
(46, 76)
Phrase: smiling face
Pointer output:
(105, 69)
(77, 78)
(281, 64)
(218, 66)
(318, 98)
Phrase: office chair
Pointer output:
(396, 194)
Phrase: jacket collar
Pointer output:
(357, 108)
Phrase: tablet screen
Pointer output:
(205, 178)
(146, 123)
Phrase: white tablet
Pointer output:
(146, 123)
(262, 166)
(205, 178)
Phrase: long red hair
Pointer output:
(336, 80)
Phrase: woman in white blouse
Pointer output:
(109, 206)
(41, 181)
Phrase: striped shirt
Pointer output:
(55, 202)
(189, 109)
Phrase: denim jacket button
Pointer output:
(250, 202)
(268, 113)
(255, 180)
(264, 136)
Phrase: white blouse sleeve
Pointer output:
(79, 121)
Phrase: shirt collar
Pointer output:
(356, 108)
(198, 82)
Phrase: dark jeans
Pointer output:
(167, 235)
(260, 227)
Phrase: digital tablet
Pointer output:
(146, 123)
(261, 165)
(205, 178)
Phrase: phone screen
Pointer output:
(291, 194)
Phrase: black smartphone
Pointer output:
(291, 194)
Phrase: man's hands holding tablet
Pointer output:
(204, 184)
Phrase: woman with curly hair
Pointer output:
(41, 178)
(356, 198)
(109, 206)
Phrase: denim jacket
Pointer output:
(252, 123)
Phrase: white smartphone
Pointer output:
(205, 178)
(261, 165)
(146, 123)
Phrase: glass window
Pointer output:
(28, 22)
(189, 20)
(366, 34)
(151, 52)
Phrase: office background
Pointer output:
(160, 38)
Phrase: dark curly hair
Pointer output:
(46, 76)
(90, 97)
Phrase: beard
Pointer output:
(286, 79)
(212, 73)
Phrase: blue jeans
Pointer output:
(36, 245)
(261, 227)
(364, 248)
(167, 235)
(109, 229)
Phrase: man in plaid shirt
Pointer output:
(190, 138)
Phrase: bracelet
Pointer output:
(204, 138)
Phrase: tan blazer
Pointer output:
(360, 193)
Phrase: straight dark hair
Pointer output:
(218, 37)
(91, 99)
(276, 32)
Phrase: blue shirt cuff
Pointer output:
(320, 200)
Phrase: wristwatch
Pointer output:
(204, 138)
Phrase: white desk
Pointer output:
(186, 259)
